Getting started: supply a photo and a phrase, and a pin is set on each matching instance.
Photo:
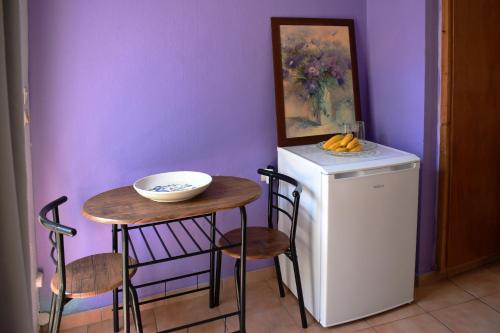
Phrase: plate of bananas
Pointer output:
(346, 145)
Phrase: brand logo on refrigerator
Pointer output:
(378, 186)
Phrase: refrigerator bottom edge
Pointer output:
(324, 323)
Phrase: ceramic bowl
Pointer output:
(173, 186)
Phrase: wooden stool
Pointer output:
(268, 242)
(82, 278)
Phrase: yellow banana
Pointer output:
(332, 140)
(334, 146)
(354, 142)
(356, 148)
(341, 149)
(346, 140)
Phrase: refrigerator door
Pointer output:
(368, 242)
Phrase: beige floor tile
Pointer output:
(275, 320)
(259, 297)
(396, 314)
(80, 329)
(440, 295)
(180, 313)
(493, 301)
(148, 324)
(104, 326)
(108, 314)
(212, 327)
(473, 316)
(479, 283)
(314, 328)
(79, 319)
(294, 312)
(419, 324)
(354, 326)
(254, 277)
(289, 297)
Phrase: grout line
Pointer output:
(391, 310)
(449, 306)
(491, 307)
(444, 324)
(463, 289)
(154, 319)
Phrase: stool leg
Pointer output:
(136, 309)
(278, 276)
(58, 313)
(237, 281)
(299, 289)
(52, 312)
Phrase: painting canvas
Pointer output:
(315, 78)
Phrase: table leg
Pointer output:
(116, 326)
(243, 264)
(218, 264)
(126, 281)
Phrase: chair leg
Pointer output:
(52, 312)
(217, 278)
(237, 281)
(136, 311)
(278, 276)
(299, 289)
(116, 323)
(58, 313)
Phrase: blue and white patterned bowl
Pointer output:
(173, 186)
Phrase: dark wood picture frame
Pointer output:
(276, 23)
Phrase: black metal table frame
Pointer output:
(214, 271)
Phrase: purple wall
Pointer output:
(402, 64)
(123, 89)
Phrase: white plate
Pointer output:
(367, 147)
(173, 186)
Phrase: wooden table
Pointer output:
(124, 207)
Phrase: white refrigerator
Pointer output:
(356, 233)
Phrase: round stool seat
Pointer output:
(92, 275)
(262, 243)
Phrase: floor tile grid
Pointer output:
(474, 298)
(379, 328)
(482, 297)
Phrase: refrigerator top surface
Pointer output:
(381, 156)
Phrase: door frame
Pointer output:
(444, 169)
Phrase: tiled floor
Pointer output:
(466, 303)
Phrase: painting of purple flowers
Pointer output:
(315, 78)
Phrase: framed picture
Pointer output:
(316, 78)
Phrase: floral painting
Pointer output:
(317, 81)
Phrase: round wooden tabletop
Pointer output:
(125, 206)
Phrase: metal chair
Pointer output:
(83, 278)
(269, 242)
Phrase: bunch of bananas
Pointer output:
(343, 143)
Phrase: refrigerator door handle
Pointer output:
(377, 171)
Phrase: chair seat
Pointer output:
(262, 243)
(92, 275)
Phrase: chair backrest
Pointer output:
(57, 232)
(288, 203)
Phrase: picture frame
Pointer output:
(316, 78)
